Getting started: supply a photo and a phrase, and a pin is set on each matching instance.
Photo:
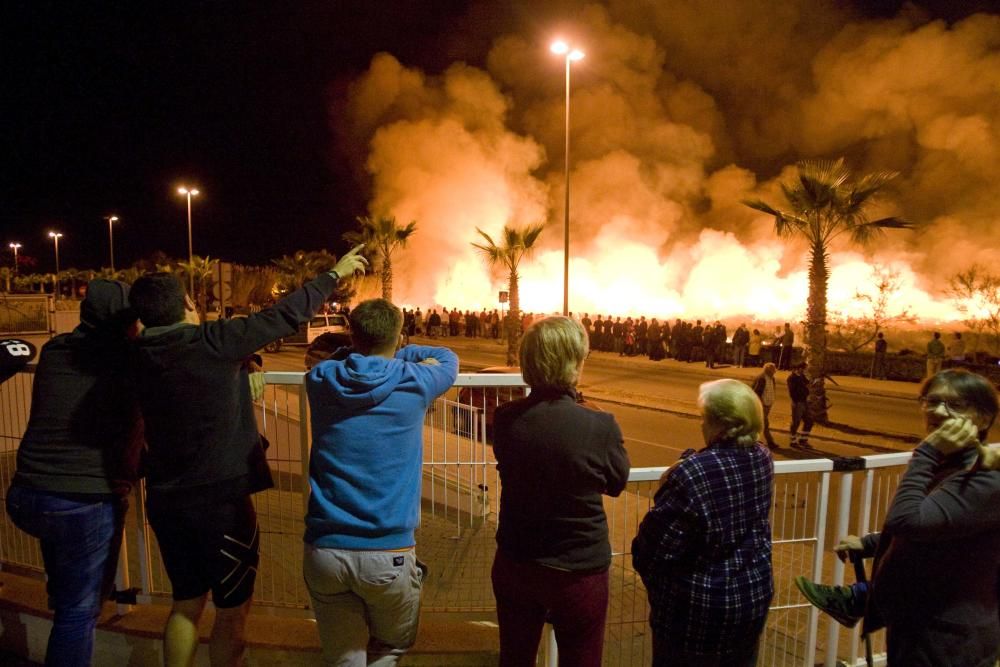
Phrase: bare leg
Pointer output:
(180, 639)
(228, 636)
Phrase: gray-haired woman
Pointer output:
(704, 549)
(556, 458)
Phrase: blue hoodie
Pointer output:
(367, 424)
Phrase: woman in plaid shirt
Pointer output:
(704, 550)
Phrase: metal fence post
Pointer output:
(843, 518)
(817, 571)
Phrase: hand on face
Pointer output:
(954, 434)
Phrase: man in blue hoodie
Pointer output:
(368, 409)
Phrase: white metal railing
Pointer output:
(459, 513)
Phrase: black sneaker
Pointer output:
(837, 601)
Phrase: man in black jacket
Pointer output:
(75, 464)
(205, 456)
(798, 391)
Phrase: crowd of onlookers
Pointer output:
(683, 340)
(142, 378)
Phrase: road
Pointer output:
(655, 403)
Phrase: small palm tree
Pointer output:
(826, 201)
(203, 269)
(381, 237)
(296, 270)
(515, 244)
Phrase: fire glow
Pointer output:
(669, 137)
(715, 278)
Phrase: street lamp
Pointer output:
(55, 236)
(189, 192)
(111, 239)
(561, 48)
(15, 247)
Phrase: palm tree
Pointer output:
(296, 270)
(826, 201)
(381, 236)
(514, 245)
(203, 269)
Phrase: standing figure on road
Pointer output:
(556, 459)
(704, 549)
(763, 386)
(359, 560)
(956, 350)
(205, 456)
(935, 355)
(75, 466)
(934, 578)
(878, 361)
(741, 343)
(798, 391)
(787, 344)
(754, 346)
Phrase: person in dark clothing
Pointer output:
(798, 391)
(205, 456)
(878, 361)
(704, 549)
(787, 344)
(75, 466)
(553, 552)
(935, 574)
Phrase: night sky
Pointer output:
(108, 107)
(107, 110)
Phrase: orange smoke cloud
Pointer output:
(670, 133)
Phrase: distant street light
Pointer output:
(15, 247)
(189, 192)
(561, 48)
(55, 236)
(111, 239)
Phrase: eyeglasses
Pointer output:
(954, 405)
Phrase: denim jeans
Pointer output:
(80, 542)
(367, 603)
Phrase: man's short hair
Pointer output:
(158, 299)
(735, 408)
(551, 352)
(375, 325)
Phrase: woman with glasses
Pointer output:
(934, 579)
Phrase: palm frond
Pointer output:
(762, 206)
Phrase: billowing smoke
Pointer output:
(679, 112)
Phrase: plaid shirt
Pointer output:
(704, 550)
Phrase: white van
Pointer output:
(320, 324)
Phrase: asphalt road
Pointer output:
(655, 403)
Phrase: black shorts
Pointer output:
(210, 548)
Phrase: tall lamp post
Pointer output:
(55, 236)
(561, 48)
(15, 247)
(189, 192)
(111, 239)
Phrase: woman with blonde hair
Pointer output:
(704, 549)
(556, 458)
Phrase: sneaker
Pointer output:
(837, 601)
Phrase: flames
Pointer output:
(716, 277)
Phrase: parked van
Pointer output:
(311, 330)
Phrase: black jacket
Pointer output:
(798, 388)
(83, 434)
(195, 397)
(556, 459)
